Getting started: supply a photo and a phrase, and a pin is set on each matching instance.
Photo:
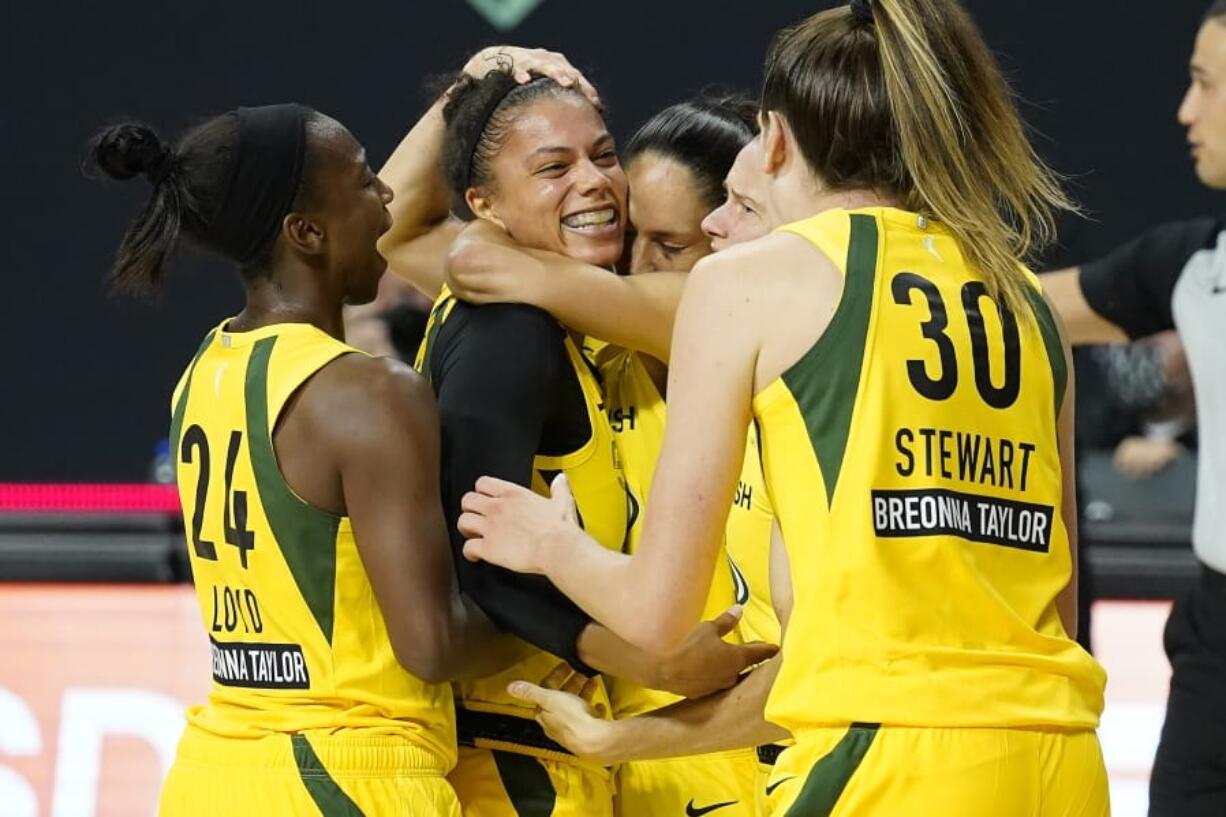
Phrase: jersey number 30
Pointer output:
(942, 387)
(196, 443)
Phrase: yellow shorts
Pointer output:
(917, 772)
(768, 756)
(495, 783)
(721, 784)
(305, 773)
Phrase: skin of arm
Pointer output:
(422, 228)
(494, 421)
(374, 421)
(632, 311)
(1082, 324)
(1066, 602)
(654, 598)
(732, 719)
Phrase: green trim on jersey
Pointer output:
(824, 382)
(830, 775)
(306, 534)
(176, 420)
(319, 784)
(527, 784)
(438, 316)
(1055, 349)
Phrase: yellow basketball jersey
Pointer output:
(298, 639)
(637, 416)
(748, 541)
(912, 457)
(599, 489)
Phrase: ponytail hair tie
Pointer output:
(862, 11)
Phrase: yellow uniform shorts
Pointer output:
(306, 773)
(918, 772)
(720, 784)
(495, 783)
(768, 756)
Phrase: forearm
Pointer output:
(733, 719)
(604, 651)
(478, 649)
(635, 311)
(1082, 324)
(421, 206)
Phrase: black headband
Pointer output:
(862, 11)
(509, 84)
(264, 182)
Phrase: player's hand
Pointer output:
(510, 526)
(524, 62)
(570, 720)
(564, 678)
(705, 663)
(485, 266)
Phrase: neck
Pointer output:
(291, 296)
(799, 196)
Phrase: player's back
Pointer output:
(912, 457)
(298, 639)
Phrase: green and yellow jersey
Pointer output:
(298, 639)
(912, 458)
(637, 416)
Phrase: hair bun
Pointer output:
(125, 150)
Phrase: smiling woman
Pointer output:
(538, 161)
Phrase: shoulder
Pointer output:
(762, 275)
(357, 396)
(506, 319)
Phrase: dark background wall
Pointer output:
(86, 380)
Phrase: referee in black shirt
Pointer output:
(1174, 277)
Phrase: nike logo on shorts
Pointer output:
(694, 811)
(771, 788)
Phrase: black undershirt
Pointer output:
(507, 392)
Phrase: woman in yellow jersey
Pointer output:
(676, 164)
(517, 397)
(914, 400)
(308, 474)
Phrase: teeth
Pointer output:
(593, 218)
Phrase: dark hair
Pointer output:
(907, 100)
(703, 134)
(478, 116)
(190, 178)
(1218, 9)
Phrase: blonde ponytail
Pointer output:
(903, 97)
(963, 142)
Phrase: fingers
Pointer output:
(558, 676)
(474, 550)
(755, 652)
(471, 524)
(531, 693)
(523, 63)
(588, 692)
(559, 492)
(492, 486)
(726, 621)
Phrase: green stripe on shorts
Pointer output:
(830, 775)
(319, 784)
(528, 786)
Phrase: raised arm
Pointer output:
(654, 598)
(632, 311)
(422, 227)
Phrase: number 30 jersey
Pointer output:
(912, 457)
(298, 640)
